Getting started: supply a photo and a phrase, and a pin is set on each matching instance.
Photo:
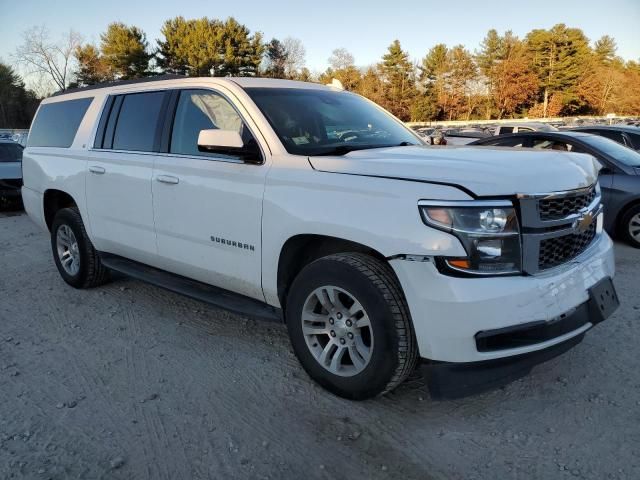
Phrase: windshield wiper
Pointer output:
(344, 149)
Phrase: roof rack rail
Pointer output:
(154, 78)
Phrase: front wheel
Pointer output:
(350, 326)
(77, 261)
(630, 226)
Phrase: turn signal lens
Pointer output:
(459, 263)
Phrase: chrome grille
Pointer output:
(558, 250)
(561, 207)
(557, 227)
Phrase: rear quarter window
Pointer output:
(56, 124)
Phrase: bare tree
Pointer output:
(295, 56)
(41, 56)
(341, 59)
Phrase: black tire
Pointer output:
(374, 284)
(91, 272)
(625, 224)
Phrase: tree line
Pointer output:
(549, 72)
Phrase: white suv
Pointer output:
(313, 205)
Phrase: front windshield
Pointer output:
(325, 122)
(615, 150)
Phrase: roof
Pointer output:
(243, 82)
(523, 124)
(623, 128)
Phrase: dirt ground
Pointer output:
(128, 381)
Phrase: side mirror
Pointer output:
(228, 142)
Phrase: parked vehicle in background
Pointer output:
(619, 176)
(451, 136)
(629, 136)
(519, 127)
(464, 136)
(20, 138)
(10, 169)
(311, 204)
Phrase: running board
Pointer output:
(218, 297)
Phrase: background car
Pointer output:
(619, 176)
(10, 169)
(629, 136)
(519, 127)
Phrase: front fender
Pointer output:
(379, 213)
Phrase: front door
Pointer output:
(208, 206)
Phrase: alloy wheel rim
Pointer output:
(68, 250)
(337, 331)
(634, 227)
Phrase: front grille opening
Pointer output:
(562, 207)
(555, 251)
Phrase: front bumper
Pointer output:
(448, 313)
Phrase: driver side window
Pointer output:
(203, 110)
(509, 142)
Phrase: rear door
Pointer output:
(208, 206)
(120, 168)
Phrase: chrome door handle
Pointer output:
(168, 179)
(97, 170)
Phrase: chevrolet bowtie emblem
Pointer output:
(583, 223)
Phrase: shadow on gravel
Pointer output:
(10, 207)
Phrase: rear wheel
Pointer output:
(630, 226)
(350, 326)
(77, 261)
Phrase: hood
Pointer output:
(485, 171)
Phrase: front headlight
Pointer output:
(488, 230)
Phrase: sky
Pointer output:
(365, 28)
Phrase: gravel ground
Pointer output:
(130, 381)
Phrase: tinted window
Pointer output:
(506, 142)
(506, 130)
(616, 151)
(635, 139)
(327, 122)
(137, 122)
(10, 152)
(203, 110)
(610, 134)
(552, 145)
(56, 124)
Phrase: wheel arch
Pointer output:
(617, 226)
(54, 200)
(300, 250)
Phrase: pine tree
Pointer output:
(124, 50)
(398, 81)
(559, 57)
(17, 105)
(92, 68)
(276, 59)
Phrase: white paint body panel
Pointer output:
(368, 197)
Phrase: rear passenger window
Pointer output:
(137, 122)
(56, 123)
